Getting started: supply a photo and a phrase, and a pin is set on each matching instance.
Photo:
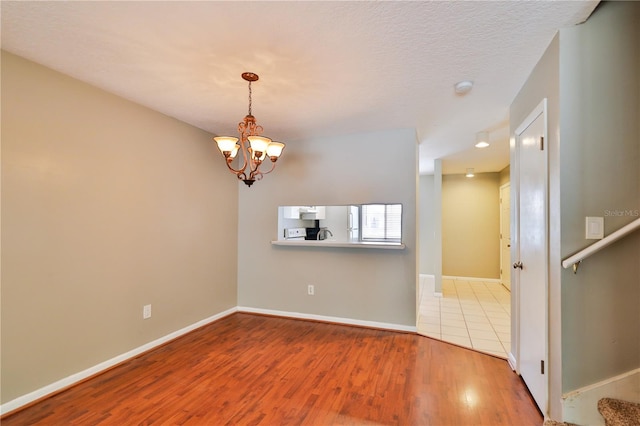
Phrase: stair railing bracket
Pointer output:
(575, 266)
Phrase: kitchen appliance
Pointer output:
(295, 234)
(317, 233)
(312, 233)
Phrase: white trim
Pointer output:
(581, 405)
(540, 110)
(437, 224)
(324, 318)
(511, 359)
(490, 280)
(633, 374)
(428, 284)
(92, 371)
(505, 269)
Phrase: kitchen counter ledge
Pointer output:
(334, 243)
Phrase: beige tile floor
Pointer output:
(473, 314)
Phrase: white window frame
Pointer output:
(381, 226)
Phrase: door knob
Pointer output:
(517, 265)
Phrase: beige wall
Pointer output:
(600, 173)
(471, 225)
(106, 206)
(357, 284)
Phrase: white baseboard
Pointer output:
(336, 320)
(427, 285)
(581, 406)
(512, 361)
(78, 377)
(489, 280)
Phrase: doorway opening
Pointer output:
(472, 308)
(472, 313)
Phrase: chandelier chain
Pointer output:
(250, 98)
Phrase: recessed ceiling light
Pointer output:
(463, 87)
(469, 173)
(482, 139)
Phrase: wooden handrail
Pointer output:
(599, 245)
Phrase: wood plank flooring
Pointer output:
(258, 370)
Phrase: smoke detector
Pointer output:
(463, 87)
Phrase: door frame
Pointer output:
(505, 268)
(514, 355)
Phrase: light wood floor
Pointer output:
(258, 370)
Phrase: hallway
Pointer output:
(472, 314)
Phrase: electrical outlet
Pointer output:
(311, 290)
(146, 311)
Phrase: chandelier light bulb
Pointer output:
(226, 143)
(234, 151)
(259, 143)
(274, 150)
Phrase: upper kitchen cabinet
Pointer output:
(304, 212)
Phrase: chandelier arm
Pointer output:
(256, 175)
(273, 166)
(243, 127)
(253, 169)
(245, 161)
(237, 172)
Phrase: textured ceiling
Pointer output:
(326, 68)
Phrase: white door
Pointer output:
(505, 235)
(531, 262)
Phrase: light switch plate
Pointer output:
(594, 228)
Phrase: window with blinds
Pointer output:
(381, 222)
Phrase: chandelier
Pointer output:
(254, 148)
